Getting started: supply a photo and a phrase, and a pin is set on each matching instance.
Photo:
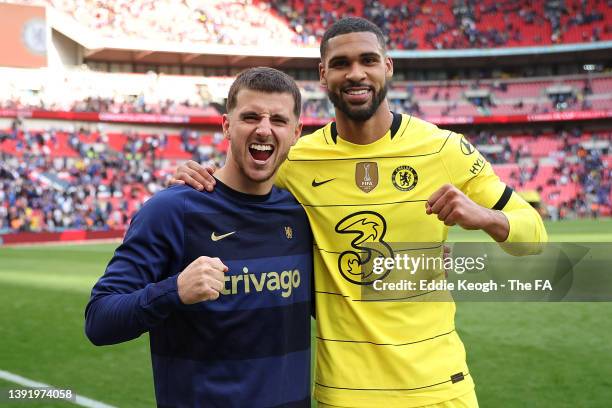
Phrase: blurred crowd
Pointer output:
(34, 198)
(580, 162)
(593, 174)
(237, 22)
(586, 167)
(446, 24)
(83, 90)
(425, 24)
(119, 104)
(101, 188)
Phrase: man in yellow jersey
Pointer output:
(374, 176)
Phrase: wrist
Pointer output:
(496, 225)
(180, 289)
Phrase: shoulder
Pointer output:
(422, 137)
(426, 130)
(171, 195)
(284, 208)
(282, 197)
(161, 215)
(317, 137)
(168, 201)
(311, 143)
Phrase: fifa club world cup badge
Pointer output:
(366, 176)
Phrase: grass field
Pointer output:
(521, 355)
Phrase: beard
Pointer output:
(360, 114)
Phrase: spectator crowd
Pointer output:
(100, 187)
(578, 182)
(424, 24)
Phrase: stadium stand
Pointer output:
(432, 24)
(52, 180)
(59, 175)
(427, 24)
(570, 169)
(194, 21)
(504, 97)
(83, 90)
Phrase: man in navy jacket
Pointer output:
(221, 280)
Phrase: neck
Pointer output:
(368, 131)
(232, 176)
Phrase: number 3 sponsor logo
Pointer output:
(368, 229)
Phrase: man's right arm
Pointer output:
(140, 287)
(200, 176)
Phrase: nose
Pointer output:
(356, 72)
(264, 128)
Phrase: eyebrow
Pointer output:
(246, 114)
(370, 54)
(279, 116)
(365, 54)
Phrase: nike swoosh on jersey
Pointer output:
(316, 183)
(220, 237)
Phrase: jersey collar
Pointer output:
(395, 125)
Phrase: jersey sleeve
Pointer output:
(139, 289)
(469, 171)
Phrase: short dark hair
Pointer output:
(268, 80)
(349, 25)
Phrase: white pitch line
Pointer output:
(78, 400)
(62, 243)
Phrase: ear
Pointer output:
(225, 123)
(297, 133)
(322, 73)
(388, 68)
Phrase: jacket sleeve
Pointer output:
(139, 289)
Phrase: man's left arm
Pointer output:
(478, 199)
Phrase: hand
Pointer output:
(195, 175)
(202, 280)
(455, 208)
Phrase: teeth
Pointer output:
(357, 91)
(260, 147)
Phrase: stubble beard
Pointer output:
(359, 115)
(245, 173)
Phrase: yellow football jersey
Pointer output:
(388, 354)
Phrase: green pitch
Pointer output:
(521, 355)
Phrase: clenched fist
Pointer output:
(455, 208)
(202, 280)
